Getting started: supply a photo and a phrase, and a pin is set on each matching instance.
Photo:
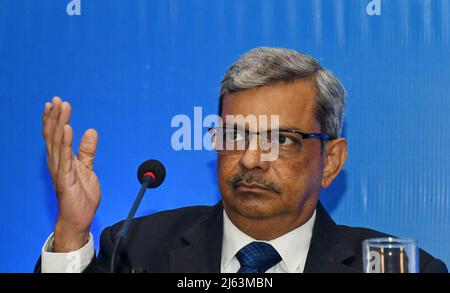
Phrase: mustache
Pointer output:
(253, 177)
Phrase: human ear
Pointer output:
(335, 157)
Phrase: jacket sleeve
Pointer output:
(434, 266)
(101, 263)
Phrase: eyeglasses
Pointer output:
(232, 140)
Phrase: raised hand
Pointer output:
(76, 184)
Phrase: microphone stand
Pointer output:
(126, 225)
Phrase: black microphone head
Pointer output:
(154, 166)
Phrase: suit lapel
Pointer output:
(328, 251)
(202, 252)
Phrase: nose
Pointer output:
(251, 157)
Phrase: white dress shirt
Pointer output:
(293, 248)
(70, 262)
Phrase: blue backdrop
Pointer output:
(128, 67)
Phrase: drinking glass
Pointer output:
(390, 255)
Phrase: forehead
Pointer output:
(294, 103)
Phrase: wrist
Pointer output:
(67, 240)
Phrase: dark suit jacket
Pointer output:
(190, 240)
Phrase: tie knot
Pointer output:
(257, 257)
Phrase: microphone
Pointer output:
(151, 174)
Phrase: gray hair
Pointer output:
(266, 66)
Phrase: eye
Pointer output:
(285, 140)
(234, 135)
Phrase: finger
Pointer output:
(66, 151)
(87, 149)
(50, 123)
(66, 176)
(57, 138)
(45, 117)
(66, 171)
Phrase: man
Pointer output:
(269, 219)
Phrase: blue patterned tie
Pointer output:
(257, 257)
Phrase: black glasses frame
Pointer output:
(304, 135)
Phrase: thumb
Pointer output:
(87, 149)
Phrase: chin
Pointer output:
(256, 208)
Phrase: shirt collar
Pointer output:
(293, 246)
